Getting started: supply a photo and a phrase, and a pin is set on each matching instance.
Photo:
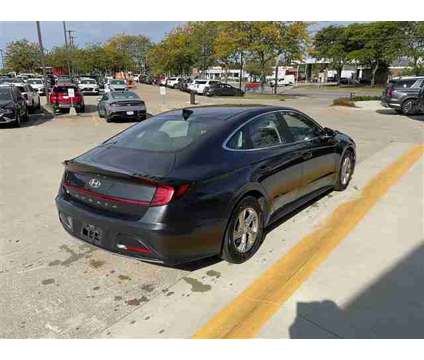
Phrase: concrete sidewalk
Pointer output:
(370, 250)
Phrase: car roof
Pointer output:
(408, 78)
(228, 112)
(65, 84)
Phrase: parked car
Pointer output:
(88, 86)
(184, 85)
(201, 181)
(285, 81)
(64, 80)
(37, 84)
(121, 105)
(13, 106)
(221, 89)
(173, 82)
(31, 96)
(61, 99)
(401, 94)
(198, 86)
(116, 85)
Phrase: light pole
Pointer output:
(67, 48)
(40, 43)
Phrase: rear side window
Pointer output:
(165, 133)
(404, 84)
(263, 132)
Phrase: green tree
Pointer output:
(22, 56)
(376, 44)
(293, 38)
(202, 40)
(332, 43)
(174, 54)
(128, 51)
(232, 43)
(263, 45)
(413, 32)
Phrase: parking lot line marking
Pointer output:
(247, 313)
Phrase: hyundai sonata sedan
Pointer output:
(199, 182)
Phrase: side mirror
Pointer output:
(327, 133)
(99, 99)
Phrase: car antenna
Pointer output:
(187, 113)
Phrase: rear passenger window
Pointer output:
(404, 84)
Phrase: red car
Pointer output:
(66, 95)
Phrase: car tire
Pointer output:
(26, 116)
(408, 107)
(108, 118)
(18, 121)
(347, 166)
(235, 249)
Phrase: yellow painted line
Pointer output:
(246, 315)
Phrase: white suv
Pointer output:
(173, 81)
(88, 86)
(198, 86)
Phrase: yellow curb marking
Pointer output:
(247, 314)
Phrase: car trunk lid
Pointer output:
(119, 180)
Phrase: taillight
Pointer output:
(389, 91)
(165, 193)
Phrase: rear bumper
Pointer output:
(169, 244)
(122, 114)
(391, 103)
(67, 106)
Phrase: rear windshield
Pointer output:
(35, 81)
(117, 82)
(200, 82)
(5, 94)
(88, 81)
(124, 95)
(165, 133)
(63, 89)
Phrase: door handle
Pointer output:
(307, 155)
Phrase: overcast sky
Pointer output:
(88, 32)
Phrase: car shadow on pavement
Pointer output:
(393, 112)
(391, 308)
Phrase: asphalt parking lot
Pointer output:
(56, 286)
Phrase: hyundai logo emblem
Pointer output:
(95, 183)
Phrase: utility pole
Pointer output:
(71, 47)
(2, 59)
(67, 48)
(40, 43)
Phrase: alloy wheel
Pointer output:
(246, 230)
(346, 171)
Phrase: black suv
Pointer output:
(13, 106)
(402, 94)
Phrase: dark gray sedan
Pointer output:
(121, 105)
